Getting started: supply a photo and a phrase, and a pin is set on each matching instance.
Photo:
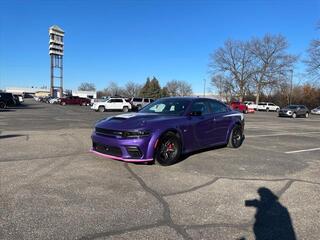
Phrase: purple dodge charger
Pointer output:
(166, 129)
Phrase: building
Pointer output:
(85, 94)
(33, 91)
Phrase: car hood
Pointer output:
(136, 121)
(287, 109)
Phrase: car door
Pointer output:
(202, 123)
(221, 122)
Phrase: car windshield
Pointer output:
(292, 106)
(167, 106)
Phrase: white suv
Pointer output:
(267, 106)
(112, 104)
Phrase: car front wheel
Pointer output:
(101, 109)
(125, 109)
(168, 150)
(2, 105)
(236, 137)
(294, 115)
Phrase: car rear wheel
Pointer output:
(101, 109)
(294, 115)
(267, 109)
(2, 105)
(83, 104)
(125, 109)
(236, 137)
(168, 150)
(306, 115)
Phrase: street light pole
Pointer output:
(291, 78)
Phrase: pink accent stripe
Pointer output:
(119, 158)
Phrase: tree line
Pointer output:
(261, 69)
(151, 89)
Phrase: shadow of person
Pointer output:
(272, 219)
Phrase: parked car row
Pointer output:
(122, 104)
(9, 99)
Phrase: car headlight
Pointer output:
(135, 134)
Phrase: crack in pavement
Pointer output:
(166, 213)
(181, 229)
(193, 188)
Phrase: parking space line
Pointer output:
(304, 150)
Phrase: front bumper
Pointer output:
(124, 149)
(94, 107)
(315, 112)
(285, 114)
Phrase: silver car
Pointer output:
(316, 110)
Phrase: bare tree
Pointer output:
(313, 61)
(224, 85)
(178, 88)
(172, 87)
(270, 60)
(132, 89)
(113, 90)
(234, 61)
(85, 86)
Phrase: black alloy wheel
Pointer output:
(2, 105)
(236, 137)
(168, 150)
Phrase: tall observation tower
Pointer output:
(56, 60)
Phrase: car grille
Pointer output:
(110, 150)
(108, 132)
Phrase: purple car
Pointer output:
(168, 128)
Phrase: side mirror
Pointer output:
(195, 113)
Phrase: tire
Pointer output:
(267, 109)
(236, 137)
(63, 104)
(2, 105)
(306, 115)
(125, 109)
(101, 109)
(83, 104)
(245, 111)
(168, 150)
(294, 115)
(277, 110)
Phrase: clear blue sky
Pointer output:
(130, 40)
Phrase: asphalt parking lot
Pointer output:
(51, 187)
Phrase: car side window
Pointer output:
(217, 107)
(200, 106)
(146, 100)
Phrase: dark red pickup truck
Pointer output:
(238, 106)
(74, 101)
